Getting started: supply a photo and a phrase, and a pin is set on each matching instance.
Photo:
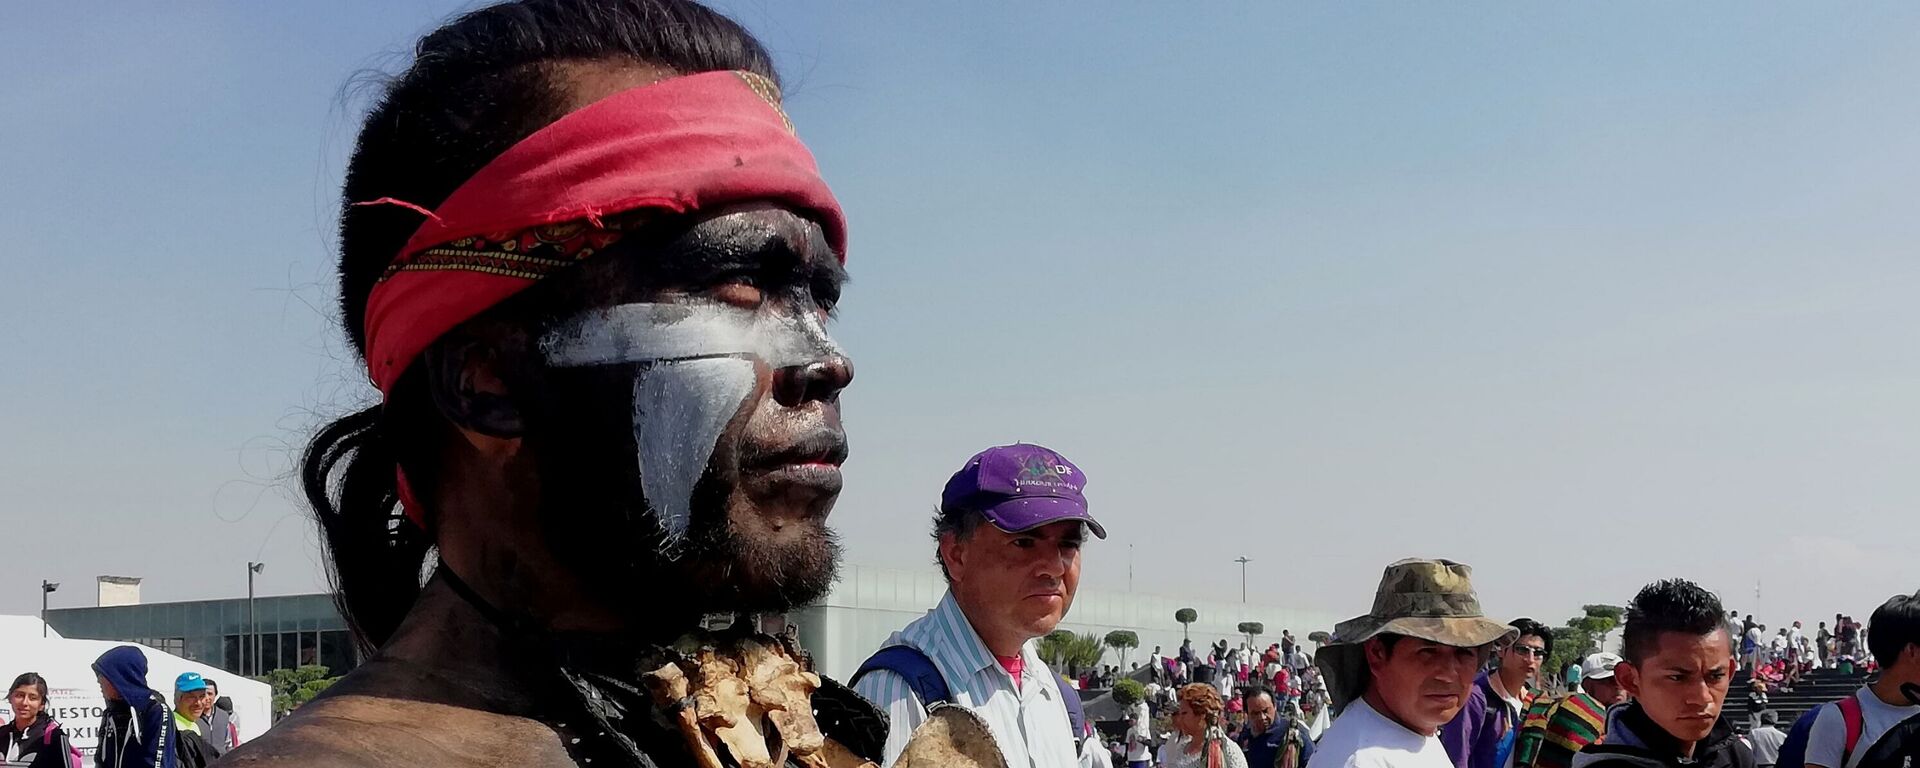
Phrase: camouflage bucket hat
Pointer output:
(1432, 600)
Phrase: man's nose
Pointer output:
(817, 380)
(1698, 695)
(1053, 562)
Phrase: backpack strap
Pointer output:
(46, 731)
(1076, 713)
(913, 666)
(1856, 724)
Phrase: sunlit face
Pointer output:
(1682, 684)
(191, 703)
(691, 409)
(1606, 690)
(1524, 657)
(26, 703)
(1189, 720)
(1422, 684)
(1019, 584)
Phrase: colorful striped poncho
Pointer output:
(1554, 730)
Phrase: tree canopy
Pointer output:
(297, 686)
(1581, 636)
(1070, 654)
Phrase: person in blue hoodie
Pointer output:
(136, 730)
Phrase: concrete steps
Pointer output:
(1817, 687)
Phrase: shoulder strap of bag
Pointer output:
(913, 666)
(1856, 724)
(1076, 713)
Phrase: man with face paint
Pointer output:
(1010, 527)
(589, 266)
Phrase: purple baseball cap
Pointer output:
(1021, 487)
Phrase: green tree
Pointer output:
(1128, 692)
(1070, 654)
(297, 686)
(1123, 641)
(1581, 636)
(1252, 629)
(1186, 617)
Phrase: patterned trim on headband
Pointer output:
(767, 90)
(529, 254)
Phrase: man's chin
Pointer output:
(766, 571)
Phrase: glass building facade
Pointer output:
(295, 630)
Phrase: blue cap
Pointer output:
(188, 682)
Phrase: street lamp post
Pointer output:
(46, 589)
(253, 620)
(1243, 578)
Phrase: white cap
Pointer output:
(1598, 666)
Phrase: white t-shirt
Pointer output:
(1828, 739)
(1363, 738)
(1765, 741)
(1094, 754)
(1140, 735)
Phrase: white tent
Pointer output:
(73, 692)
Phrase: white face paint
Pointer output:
(697, 370)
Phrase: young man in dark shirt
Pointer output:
(1677, 667)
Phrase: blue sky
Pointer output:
(1582, 294)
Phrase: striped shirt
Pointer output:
(1028, 723)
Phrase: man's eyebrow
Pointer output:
(762, 250)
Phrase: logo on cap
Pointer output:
(1048, 471)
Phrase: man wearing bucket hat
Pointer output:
(1575, 722)
(1010, 581)
(1404, 669)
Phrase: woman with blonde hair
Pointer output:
(1198, 741)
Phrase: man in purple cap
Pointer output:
(1009, 582)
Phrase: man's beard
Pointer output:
(596, 518)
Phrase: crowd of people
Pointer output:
(1781, 658)
(139, 728)
(1657, 705)
(589, 266)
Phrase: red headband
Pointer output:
(679, 145)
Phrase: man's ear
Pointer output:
(1628, 677)
(953, 553)
(1377, 653)
(467, 388)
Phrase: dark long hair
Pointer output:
(39, 684)
(476, 86)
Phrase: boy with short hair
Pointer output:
(1677, 667)
(1884, 705)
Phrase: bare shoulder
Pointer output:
(362, 730)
